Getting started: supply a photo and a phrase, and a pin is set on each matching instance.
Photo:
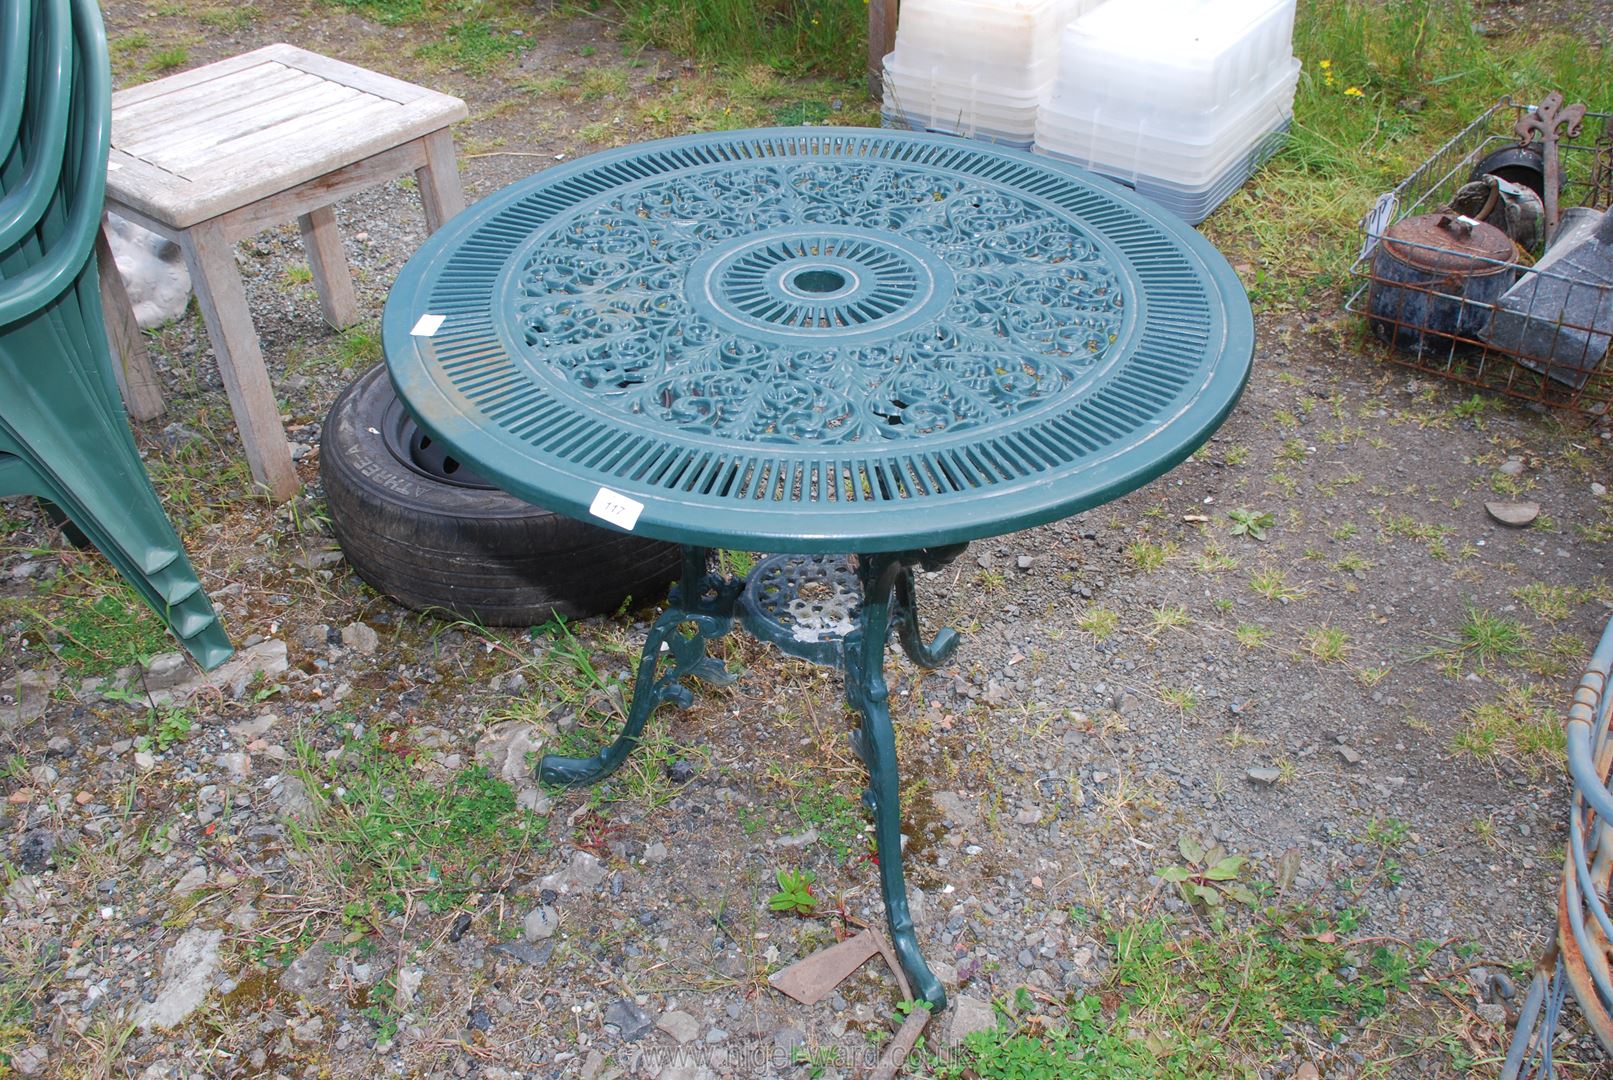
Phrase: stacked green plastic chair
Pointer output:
(63, 436)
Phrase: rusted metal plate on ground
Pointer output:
(809, 981)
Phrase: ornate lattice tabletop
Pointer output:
(816, 341)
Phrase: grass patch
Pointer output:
(201, 479)
(97, 625)
(1520, 725)
(751, 97)
(357, 347)
(386, 12)
(403, 835)
(1274, 585)
(1183, 1002)
(1100, 622)
(1251, 636)
(1327, 645)
(1169, 618)
(1146, 555)
(1483, 637)
(1549, 603)
(794, 37)
(474, 46)
(838, 818)
(229, 19)
(168, 60)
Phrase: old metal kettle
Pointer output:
(1436, 278)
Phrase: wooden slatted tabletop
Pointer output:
(199, 144)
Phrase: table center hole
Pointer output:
(818, 282)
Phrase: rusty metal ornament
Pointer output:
(1543, 124)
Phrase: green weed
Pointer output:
(1191, 1005)
(1251, 636)
(1255, 524)
(474, 46)
(794, 892)
(168, 60)
(1549, 603)
(1486, 636)
(1327, 644)
(1207, 876)
(837, 818)
(1183, 701)
(99, 626)
(1170, 618)
(824, 37)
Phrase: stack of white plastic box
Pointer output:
(1181, 99)
(977, 68)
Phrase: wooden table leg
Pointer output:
(332, 278)
(440, 191)
(142, 393)
(881, 40)
(222, 298)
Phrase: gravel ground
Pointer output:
(180, 905)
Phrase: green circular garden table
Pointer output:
(856, 349)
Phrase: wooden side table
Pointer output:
(211, 156)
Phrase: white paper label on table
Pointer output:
(428, 325)
(616, 508)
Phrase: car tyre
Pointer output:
(425, 530)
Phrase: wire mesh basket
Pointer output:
(1494, 319)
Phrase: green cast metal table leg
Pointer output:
(701, 599)
(905, 614)
(875, 742)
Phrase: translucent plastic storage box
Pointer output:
(1191, 149)
(1186, 54)
(977, 68)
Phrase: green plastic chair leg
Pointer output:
(63, 447)
(172, 591)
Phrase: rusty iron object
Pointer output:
(810, 980)
(1438, 276)
(1535, 1027)
(1448, 245)
(1542, 125)
(890, 1062)
(1580, 959)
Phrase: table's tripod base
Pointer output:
(828, 609)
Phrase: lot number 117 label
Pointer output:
(616, 508)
